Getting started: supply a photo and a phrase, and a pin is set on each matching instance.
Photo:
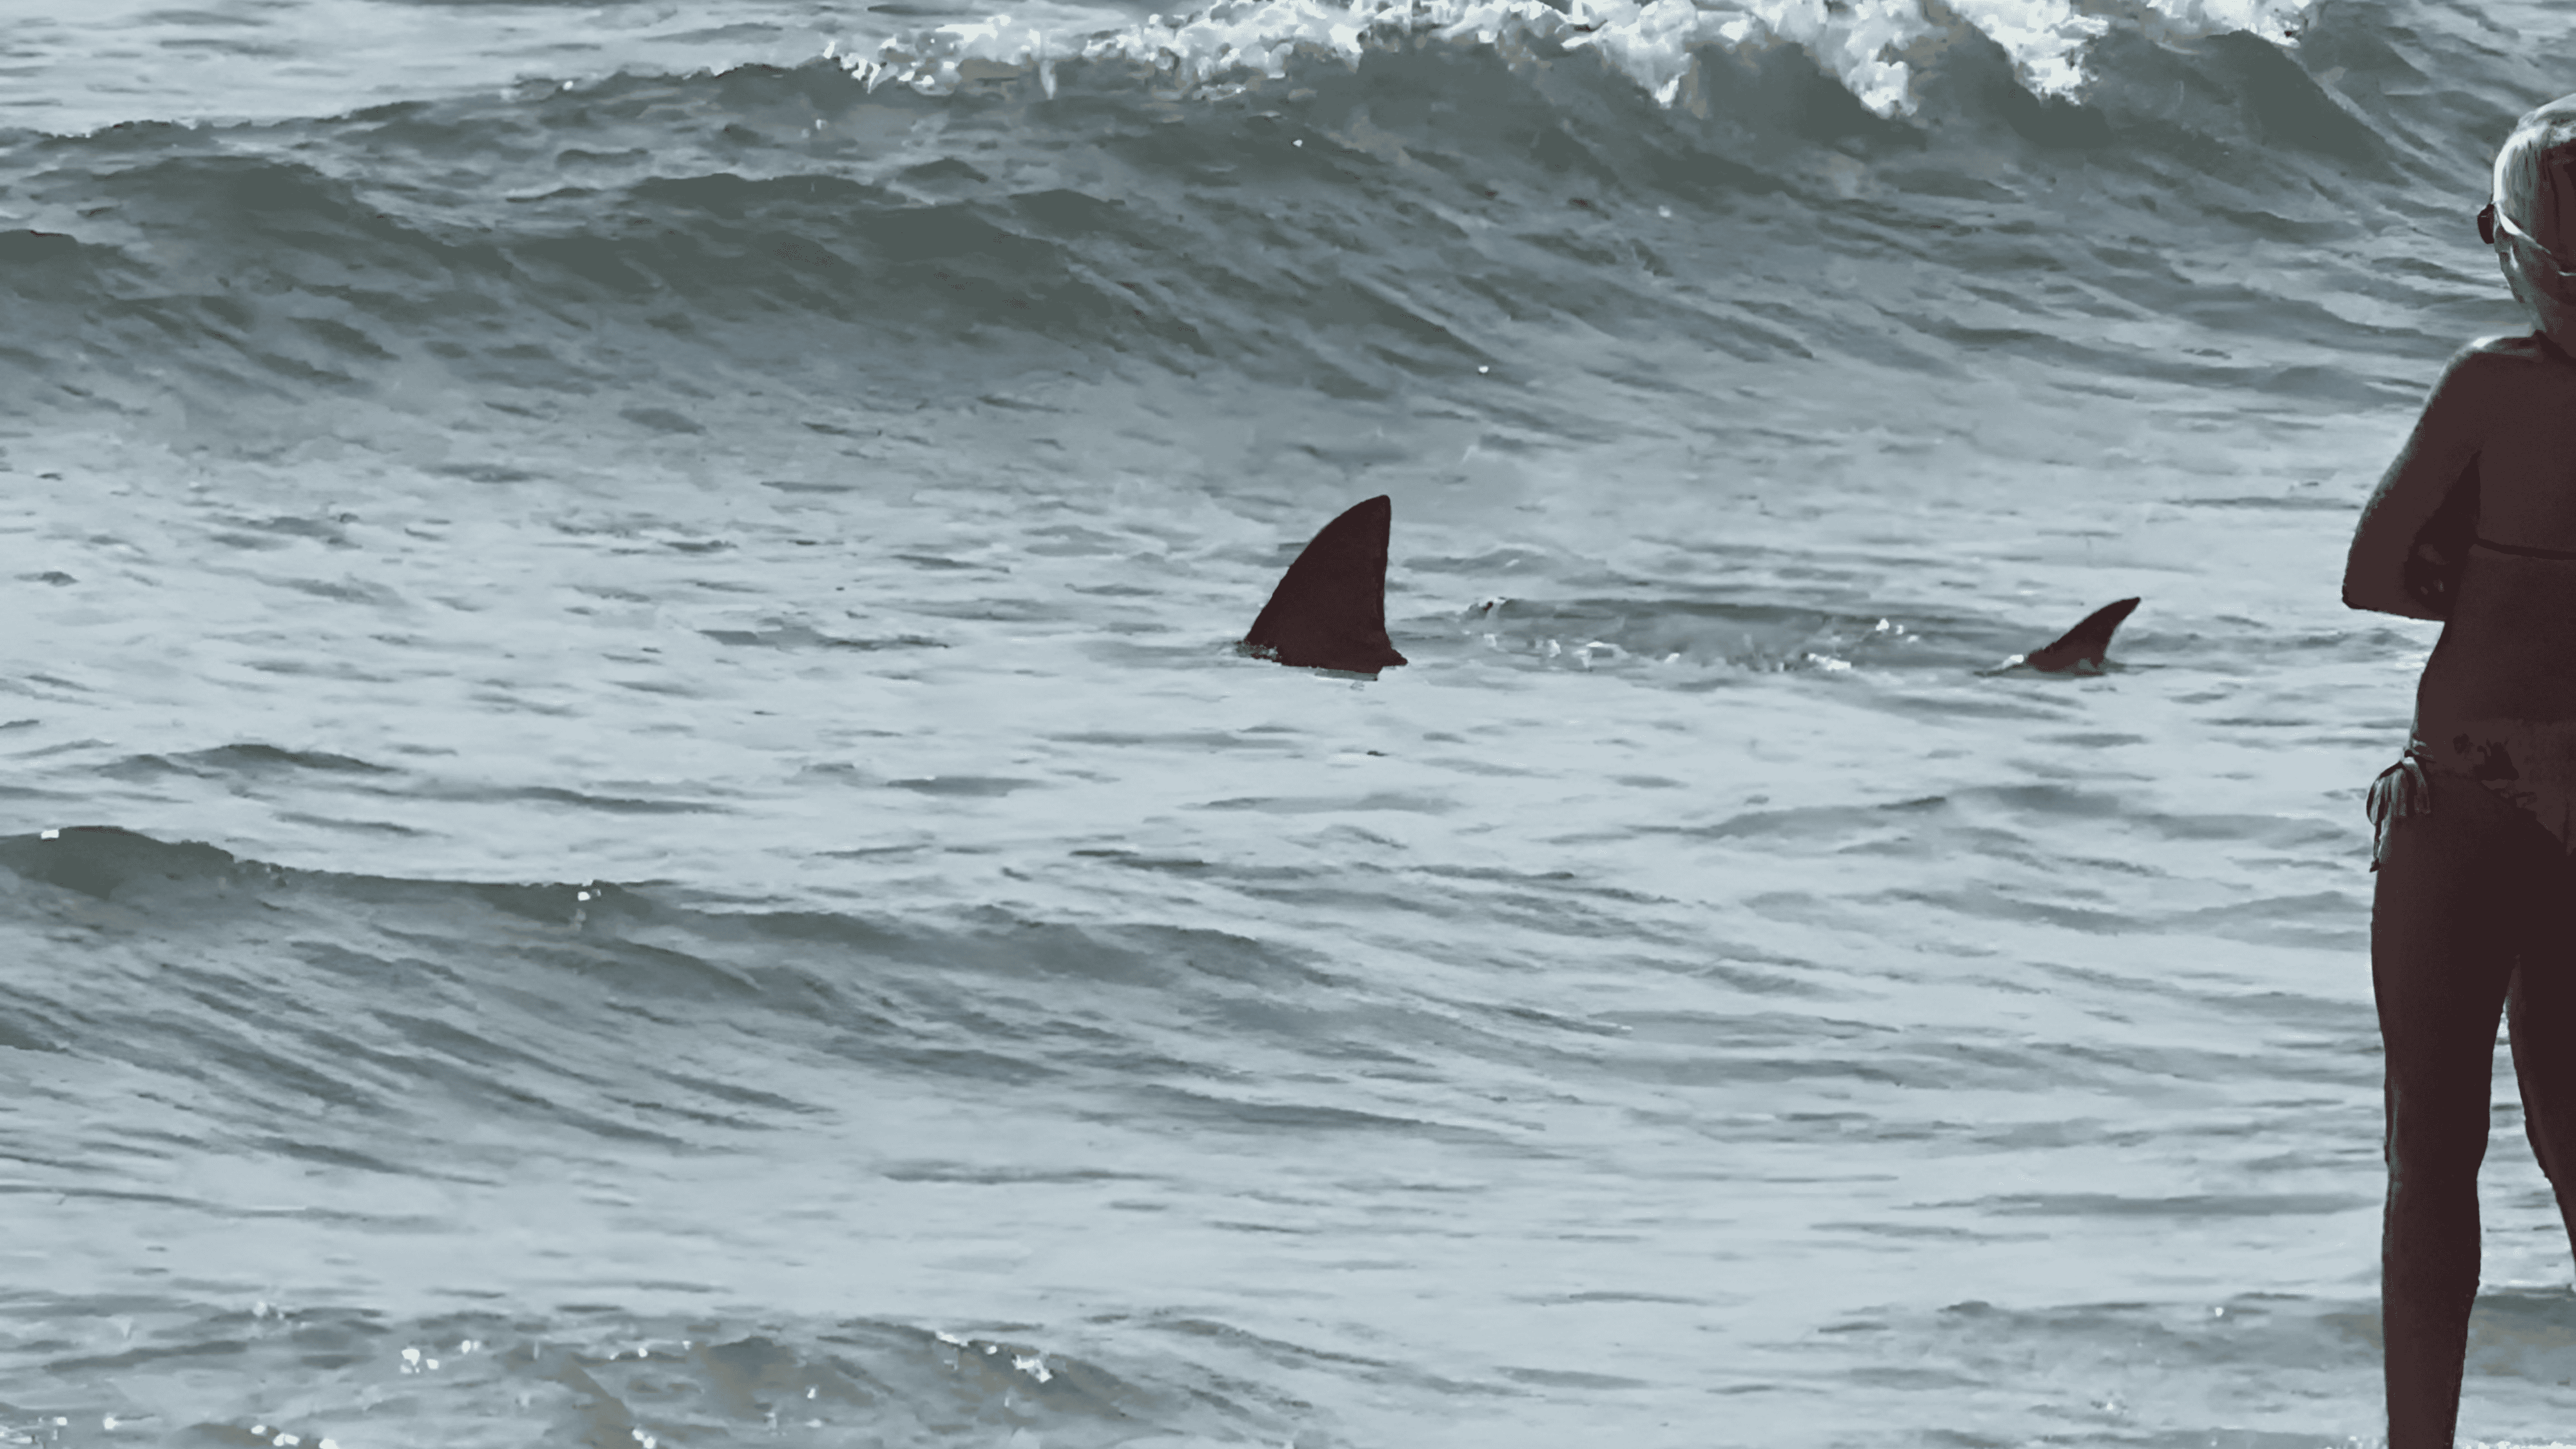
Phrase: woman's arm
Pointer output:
(2389, 548)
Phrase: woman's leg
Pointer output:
(2541, 1007)
(2441, 956)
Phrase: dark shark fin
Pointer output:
(1329, 611)
(2086, 643)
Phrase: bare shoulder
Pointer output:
(2496, 372)
(2510, 348)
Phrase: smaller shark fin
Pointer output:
(2086, 643)
(1329, 611)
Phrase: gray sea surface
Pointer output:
(631, 816)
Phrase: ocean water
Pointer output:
(631, 818)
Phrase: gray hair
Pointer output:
(2535, 176)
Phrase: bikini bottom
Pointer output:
(2531, 768)
(2400, 791)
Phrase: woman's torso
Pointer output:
(2498, 697)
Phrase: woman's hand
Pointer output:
(2414, 532)
(2432, 576)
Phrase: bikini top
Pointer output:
(2518, 551)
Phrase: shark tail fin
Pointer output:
(2086, 643)
(1329, 611)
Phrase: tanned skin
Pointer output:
(2502, 423)
(2473, 893)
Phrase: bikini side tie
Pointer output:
(2400, 791)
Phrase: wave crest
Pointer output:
(1876, 48)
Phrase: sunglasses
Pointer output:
(2492, 221)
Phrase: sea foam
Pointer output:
(1873, 46)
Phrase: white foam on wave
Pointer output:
(1872, 45)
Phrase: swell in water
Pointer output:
(1361, 203)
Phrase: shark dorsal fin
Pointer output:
(1329, 611)
(2085, 643)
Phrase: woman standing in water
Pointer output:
(2475, 525)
